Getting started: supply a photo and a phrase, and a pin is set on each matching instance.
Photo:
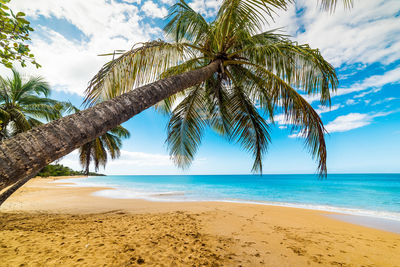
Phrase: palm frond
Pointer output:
(4, 91)
(330, 5)
(4, 115)
(166, 105)
(35, 99)
(20, 120)
(85, 155)
(112, 143)
(250, 130)
(256, 12)
(186, 24)
(136, 67)
(217, 99)
(299, 65)
(34, 122)
(120, 132)
(186, 127)
(298, 112)
(99, 154)
(66, 107)
(42, 111)
(34, 85)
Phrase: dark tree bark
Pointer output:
(24, 155)
(88, 152)
(9, 191)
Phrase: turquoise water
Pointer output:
(375, 195)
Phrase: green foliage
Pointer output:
(14, 34)
(331, 4)
(61, 170)
(24, 104)
(260, 75)
(99, 149)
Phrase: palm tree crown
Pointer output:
(260, 74)
(24, 103)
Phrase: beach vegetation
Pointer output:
(14, 37)
(25, 103)
(97, 151)
(61, 170)
(100, 149)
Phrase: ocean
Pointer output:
(375, 195)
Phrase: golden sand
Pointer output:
(46, 224)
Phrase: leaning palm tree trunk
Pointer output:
(11, 189)
(23, 156)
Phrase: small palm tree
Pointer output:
(229, 72)
(97, 151)
(24, 104)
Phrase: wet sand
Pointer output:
(47, 224)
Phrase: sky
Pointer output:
(363, 44)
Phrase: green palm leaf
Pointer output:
(133, 68)
(260, 75)
(185, 128)
(250, 130)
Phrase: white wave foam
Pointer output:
(136, 194)
(181, 196)
(362, 212)
(77, 182)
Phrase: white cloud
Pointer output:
(153, 10)
(388, 99)
(352, 121)
(361, 95)
(207, 8)
(374, 83)
(132, 162)
(168, 2)
(68, 64)
(282, 120)
(325, 109)
(366, 34)
(350, 102)
(296, 135)
(132, 1)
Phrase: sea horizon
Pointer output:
(364, 194)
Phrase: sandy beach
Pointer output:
(45, 224)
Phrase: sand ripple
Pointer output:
(108, 239)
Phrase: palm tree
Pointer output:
(23, 104)
(96, 150)
(225, 60)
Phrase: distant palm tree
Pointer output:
(226, 70)
(97, 151)
(24, 103)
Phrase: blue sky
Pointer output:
(363, 44)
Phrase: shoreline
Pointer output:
(351, 215)
(72, 227)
